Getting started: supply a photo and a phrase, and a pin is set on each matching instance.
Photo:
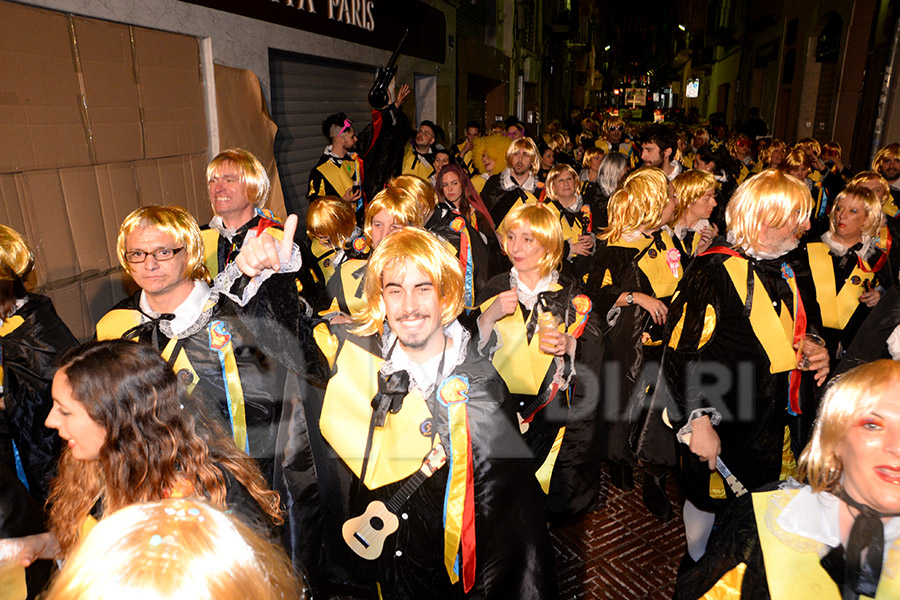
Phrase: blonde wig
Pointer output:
(175, 549)
(16, 258)
(590, 154)
(331, 217)
(559, 141)
(405, 209)
(419, 248)
(638, 204)
(812, 144)
(872, 206)
(530, 149)
(554, 173)
(545, 228)
(608, 122)
(253, 175)
(772, 198)
(888, 152)
(848, 398)
(418, 189)
(700, 134)
(794, 159)
(832, 148)
(884, 189)
(765, 157)
(173, 221)
(495, 146)
(689, 186)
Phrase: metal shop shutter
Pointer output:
(305, 90)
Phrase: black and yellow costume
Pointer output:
(221, 248)
(731, 324)
(575, 221)
(558, 397)
(502, 193)
(836, 283)
(31, 341)
(491, 507)
(751, 557)
(346, 289)
(236, 359)
(651, 265)
(417, 163)
(625, 148)
(465, 160)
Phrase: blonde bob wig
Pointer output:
(404, 207)
(418, 189)
(888, 152)
(638, 204)
(552, 176)
(773, 199)
(173, 221)
(865, 177)
(545, 227)
(848, 398)
(527, 145)
(331, 217)
(16, 258)
(175, 549)
(689, 186)
(399, 250)
(253, 175)
(874, 214)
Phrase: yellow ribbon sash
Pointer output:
(795, 575)
(211, 250)
(398, 447)
(837, 309)
(774, 332)
(220, 343)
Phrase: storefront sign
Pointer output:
(375, 23)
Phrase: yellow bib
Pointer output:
(325, 258)
(7, 327)
(398, 447)
(774, 332)
(794, 575)
(521, 364)
(340, 177)
(837, 309)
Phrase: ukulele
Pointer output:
(366, 533)
(378, 95)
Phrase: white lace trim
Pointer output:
(421, 376)
(191, 315)
(507, 183)
(838, 249)
(528, 296)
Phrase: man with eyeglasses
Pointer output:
(234, 356)
(418, 158)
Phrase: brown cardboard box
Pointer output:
(110, 89)
(41, 122)
(171, 91)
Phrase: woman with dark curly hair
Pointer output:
(133, 435)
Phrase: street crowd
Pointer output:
(399, 396)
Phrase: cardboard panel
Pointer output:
(100, 294)
(48, 225)
(198, 168)
(171, 93)
(110, 89)
(244, 122)
(40, 116)
(118, 197)
(85, 216)
(11, 213)
(69, 303)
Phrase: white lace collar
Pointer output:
(814, 515)
(528, 296)
(508, 183)
(758, 254)
(576, 206)
(838, 249)
(422, 376)
(188, 313)
(682, 230)
(677, 168)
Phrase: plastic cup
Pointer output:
(808, 346)
(547, 322)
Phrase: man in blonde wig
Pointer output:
(517, 184)
(406, 387)
(732, 363)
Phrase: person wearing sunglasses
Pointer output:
(612, 138)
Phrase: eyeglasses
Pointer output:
(160, 255)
